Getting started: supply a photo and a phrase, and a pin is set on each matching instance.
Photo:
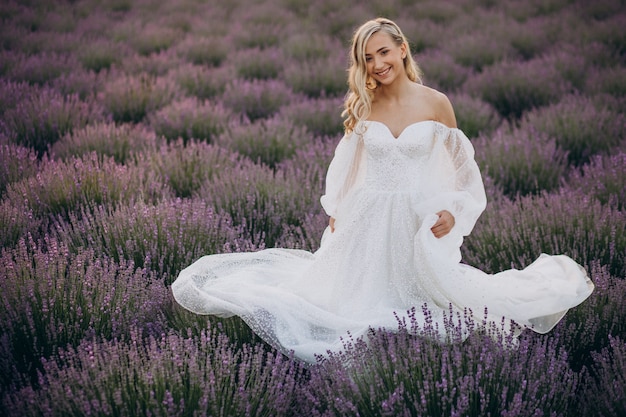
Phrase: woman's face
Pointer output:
(384, 58)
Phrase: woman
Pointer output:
(401, 192)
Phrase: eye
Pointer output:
(385, 52)
(368, 59)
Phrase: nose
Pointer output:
(377, 62)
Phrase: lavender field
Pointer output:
(139, 135)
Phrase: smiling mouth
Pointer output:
(384, 72)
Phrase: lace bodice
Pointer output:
(395, 164)
(428, 159)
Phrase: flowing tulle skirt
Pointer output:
(380, 262)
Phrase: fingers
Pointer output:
(331, 224)
(440, 230)
(444, 224)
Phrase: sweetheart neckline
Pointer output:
(407, 126)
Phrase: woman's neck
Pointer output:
(396, 92)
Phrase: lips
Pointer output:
(384, 72)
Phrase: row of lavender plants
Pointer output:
(139, 135)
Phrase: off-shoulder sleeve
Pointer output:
(344, 172)
(469, 199)
(455, 181)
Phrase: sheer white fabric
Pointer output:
(382, 259)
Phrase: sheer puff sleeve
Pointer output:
(345, 172)
(455, 181)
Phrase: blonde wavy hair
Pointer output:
(358, 102)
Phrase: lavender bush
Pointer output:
(515, 233)
(521, 161)
(41, 41)
(606, 29)
(41, 68)
(587, 329)
(189, 119)
(263, 201)
(172, 376)
(16, 221)
(45, 116)
(153, 39)
(309, 46)
(441, 71)
(530, 37)
(604, 178)
(321, 116)
(258, 63)
(257, 99)
(98, 212)
(99, 55)
(61, 188)
(606, 394)
(480, 50)
(163, 238)
(204, 51)
(52, 299)
(514, 87)
(155, 65)
(16, 163)
(580, 127)
(405, 374)
(607, 80)
(12, 93)
(423, 34)
(201, 81)
(121, 142)
(318, 77)
(131, 98)
(248, 38)
(268, 141)
(474, 116)
(185, 168)
(82, 83)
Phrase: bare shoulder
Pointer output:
(440, 104)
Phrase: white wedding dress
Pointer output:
(382, 259)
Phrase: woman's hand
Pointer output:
(331, 224)
(444, 224)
